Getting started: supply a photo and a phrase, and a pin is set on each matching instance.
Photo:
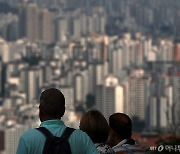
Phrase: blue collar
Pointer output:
(56, 122)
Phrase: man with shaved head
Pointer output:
(120, 135)
(51, 109)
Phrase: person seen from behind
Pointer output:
(96, 126)
(120, 135)
(51, 109)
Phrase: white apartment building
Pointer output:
(109, 97)
(136, 95)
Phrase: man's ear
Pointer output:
(62, 111)
(41, 112)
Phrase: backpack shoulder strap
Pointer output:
(67, 133)
(46, 132)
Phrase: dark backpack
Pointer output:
(56, 145)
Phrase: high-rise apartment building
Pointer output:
(163, 112)
(170, 105)
(96, 23)
(32, 26)
(127, 49)
(174, 81)
(29, 83)
(62, 29)
(157, 114)
(163, 106)
(69, 96)
(80, 87)
(102, 70)
(92, 79)
(47, 73)
(134, 51)
(84, 24)
(76, 27)
(11, 71)
(177, 52)
(5, 51)
(116, 61)
(153, 113)
(117, 57)
(139, 53)
(90, 25)
(32, 85)
(99, 52)
(77, 52)
(45, 26)
(109, 97)
(147, 47)
(22, 19)
(39, 24)
(136, 94)
(166, 51)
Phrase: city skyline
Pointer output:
(98, 56)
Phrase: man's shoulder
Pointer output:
(30, 133)
(35, 132)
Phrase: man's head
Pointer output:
(121, 125)
(52, 104)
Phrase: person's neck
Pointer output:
(113, 141)
(118, 140)
(48, 118)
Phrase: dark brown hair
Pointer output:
(95, 125)
(121, 124)
(53, 102)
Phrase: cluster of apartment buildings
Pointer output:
(67, 19)
(127, 74)
(51, 25)
(69, 49)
